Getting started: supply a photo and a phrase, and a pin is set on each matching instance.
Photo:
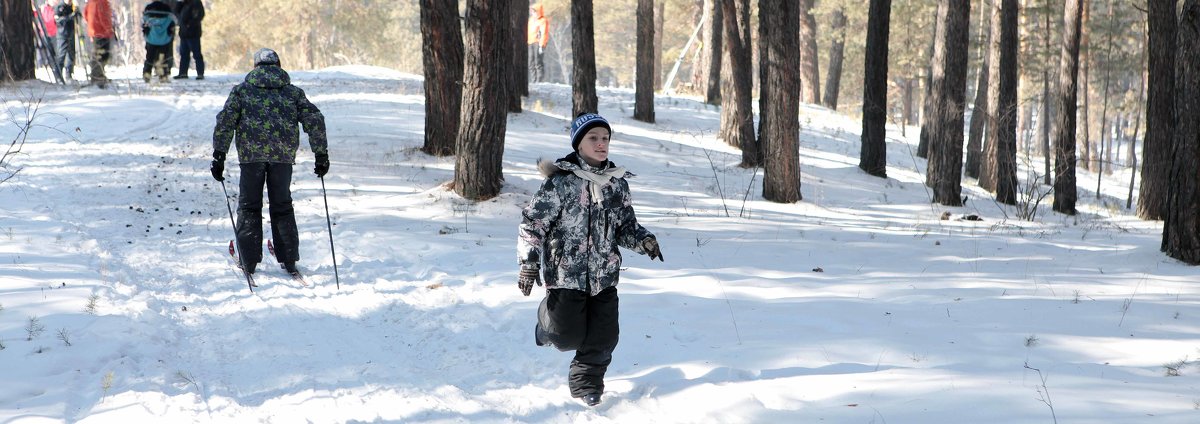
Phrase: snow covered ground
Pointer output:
(856, 305)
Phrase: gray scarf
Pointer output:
(597, 180)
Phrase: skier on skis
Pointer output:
(263, 113)
(569, 235)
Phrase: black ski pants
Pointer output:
(572, 320)
(65, 50)
(278, 180)
(158, 59)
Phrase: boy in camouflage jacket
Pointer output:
(569, 235)
(263, 113)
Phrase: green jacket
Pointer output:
(263, 113)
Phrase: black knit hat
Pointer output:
(584, 123)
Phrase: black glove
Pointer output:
(650, 246)
(322, 165)
(218, 166)
(529, 275)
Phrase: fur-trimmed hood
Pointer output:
(570, 163)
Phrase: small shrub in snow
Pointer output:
(1173, 368)
(65, 336)
(90, 308)
(33, 328)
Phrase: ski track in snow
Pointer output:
(912, 319)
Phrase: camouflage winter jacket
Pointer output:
(263, 112)
(574, 238)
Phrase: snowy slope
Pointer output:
(911, 319)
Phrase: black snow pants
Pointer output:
(571, 320)
(278, 180)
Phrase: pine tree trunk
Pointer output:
(1003, 127)
(740, 123)
(643, 106)
(659, 10)
(1181, 229)
(519, 68)
(833, 75)
(764, 83)
(480, 144)
(17, 58)
(1160, 110)
(713, 50)
(1085, 58)
(979, 112)
(810, 74)
(872, 157)
(927, 102)
(1065, 194)
(583, 42)
(949, 93)
(442, 57)
(781, 176)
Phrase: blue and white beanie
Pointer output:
(265, 56)
(584, 123)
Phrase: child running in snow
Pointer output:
(569, 235)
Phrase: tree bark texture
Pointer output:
(480, 145)
(442, 57)
(833, 74)
(740, 123)
(518, 74)
(16, 41)
(781, 176)
(1065, 194)
(1160, 110)
(872, 156)
(583, 48)
(1085, 47)
(947, 107)
(643, 105)
(810, 74)
(713, 35)
(659, 10)
(979, 110)
(1181, 229)
(927, 102)
(1002, 113)
(764, 84)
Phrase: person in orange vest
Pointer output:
(99, 18)
(539, 27)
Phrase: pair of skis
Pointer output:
(233, 253)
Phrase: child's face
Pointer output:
(594, 146)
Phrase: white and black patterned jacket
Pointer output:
(574, 238)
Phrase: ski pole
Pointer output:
(329, 224)
(249, 282)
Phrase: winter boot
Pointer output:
(199, 77)
(181, 76)
(291, 268)
(146, 77)
(591, 399)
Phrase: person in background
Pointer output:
(99, 18)
(262, 114)
(46, 13)
(190, 14)
(569, 234)
(158, 26)
(65, 14)
(539, 27)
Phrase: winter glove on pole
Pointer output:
(650, 246)
(322, 165)
(218, 166)
(529, 275)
